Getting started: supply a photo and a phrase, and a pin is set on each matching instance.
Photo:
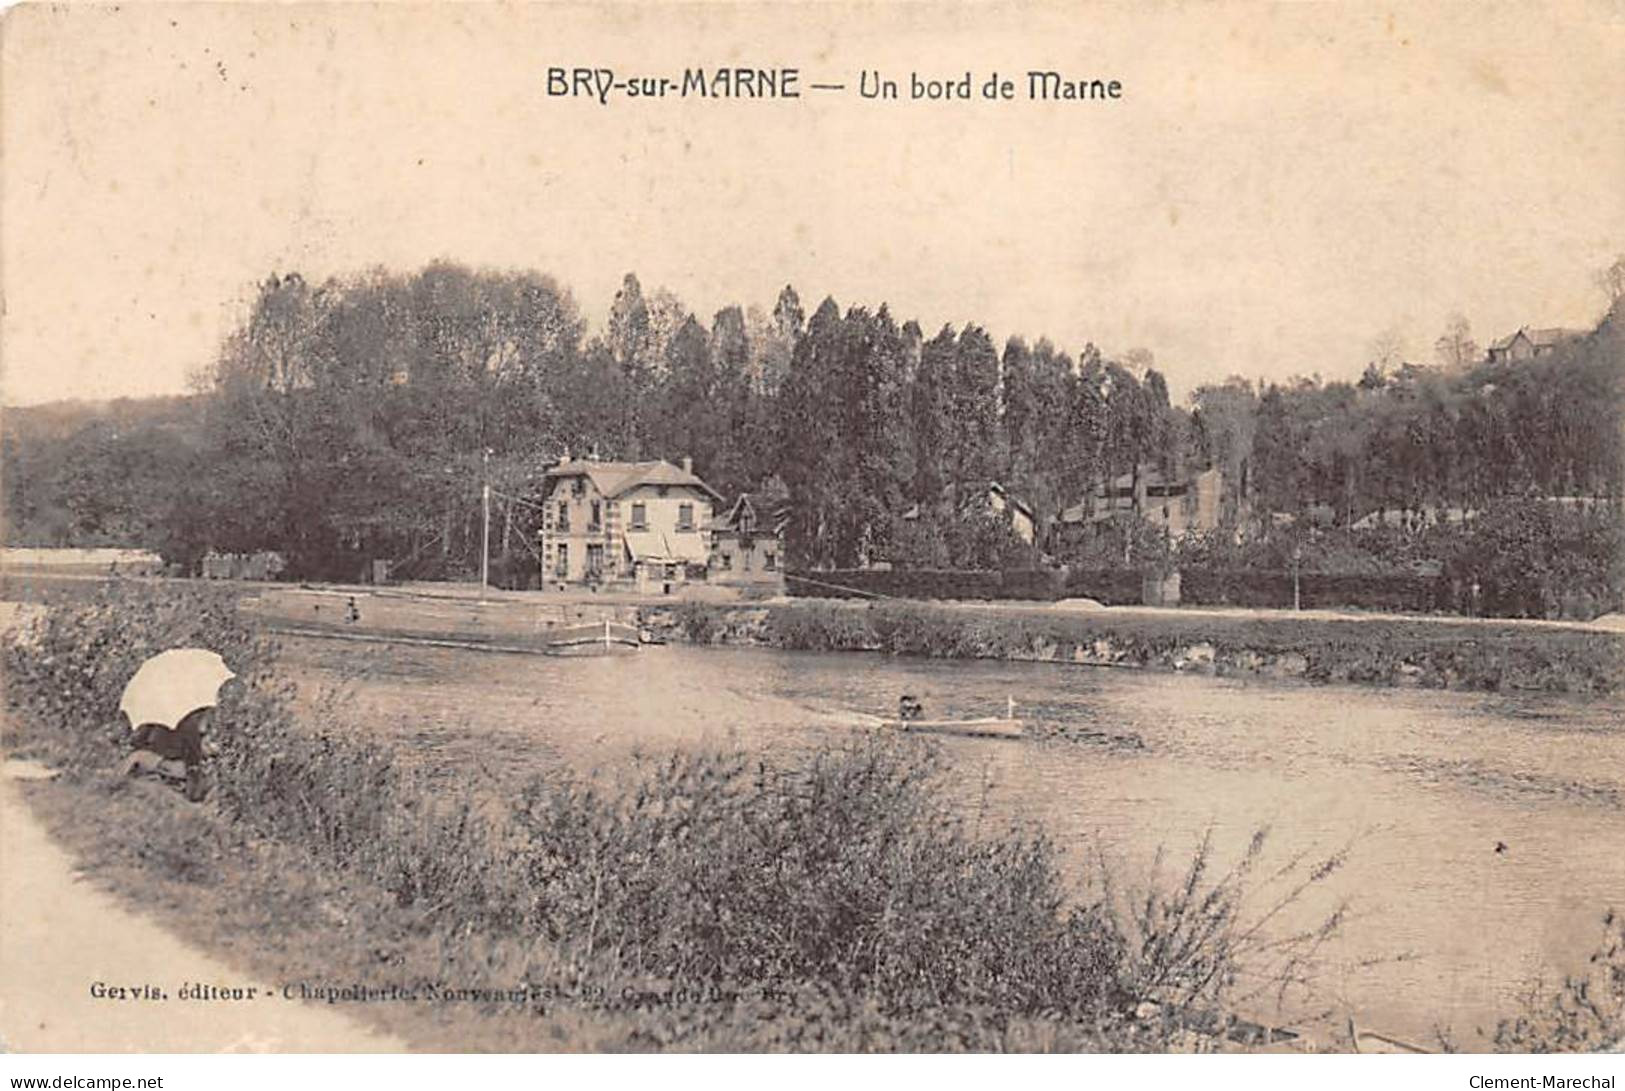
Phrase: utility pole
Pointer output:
(485, 523)
(1297, 556)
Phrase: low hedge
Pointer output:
(1398, 592)
(1041, 584)
(1395, 592)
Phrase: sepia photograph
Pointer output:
(814, 528)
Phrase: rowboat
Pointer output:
(995, 727)
(605, 638)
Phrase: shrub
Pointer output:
(67, 672)
(1585, 1013)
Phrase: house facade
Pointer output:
(626, 525)
(1529, 343)
(747, 542)
(1177, 506)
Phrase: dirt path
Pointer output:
(59, 935)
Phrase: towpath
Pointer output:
(59, 936)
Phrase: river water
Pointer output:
(1419, 787)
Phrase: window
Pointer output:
(561, 567)
(595, 560)
(640, 516)
(746, 556)
(685, 516)
(563, 521)
(596, 522)
(768, 560)
(727, 562)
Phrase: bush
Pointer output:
(1533, 558)
(67, 672)
(1584, 1014)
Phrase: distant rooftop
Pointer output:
(1548, 337)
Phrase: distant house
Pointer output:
(1412, 518)
(631, 525)
(990, 496)
(264, 565)
(1177, 506)
(747, 542)
(1528, 343)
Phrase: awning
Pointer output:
(654, 545)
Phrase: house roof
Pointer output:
(1553, 335)
(771, 509)
(1011, 499)
(614, 478)
(1541, 338)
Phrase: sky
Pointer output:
(1278, 186)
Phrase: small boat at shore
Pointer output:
(598, 638)
(910, 718)
(992, 727)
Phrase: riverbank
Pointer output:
(1388, 651)
(1431, 651)
(715, 899)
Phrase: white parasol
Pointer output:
(172, 684)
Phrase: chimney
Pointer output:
(688, 465)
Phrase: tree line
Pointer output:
(357, 418)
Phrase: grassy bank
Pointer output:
(1385, 651)
(711, 900)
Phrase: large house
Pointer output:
(1174, 505)
(1528, 343)
(631, 525)
(747, 542)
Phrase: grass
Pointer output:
(1378, 652)
(711, 900)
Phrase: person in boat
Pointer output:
(174, 755)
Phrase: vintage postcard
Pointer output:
(819, 527)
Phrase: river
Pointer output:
(1420, 787)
